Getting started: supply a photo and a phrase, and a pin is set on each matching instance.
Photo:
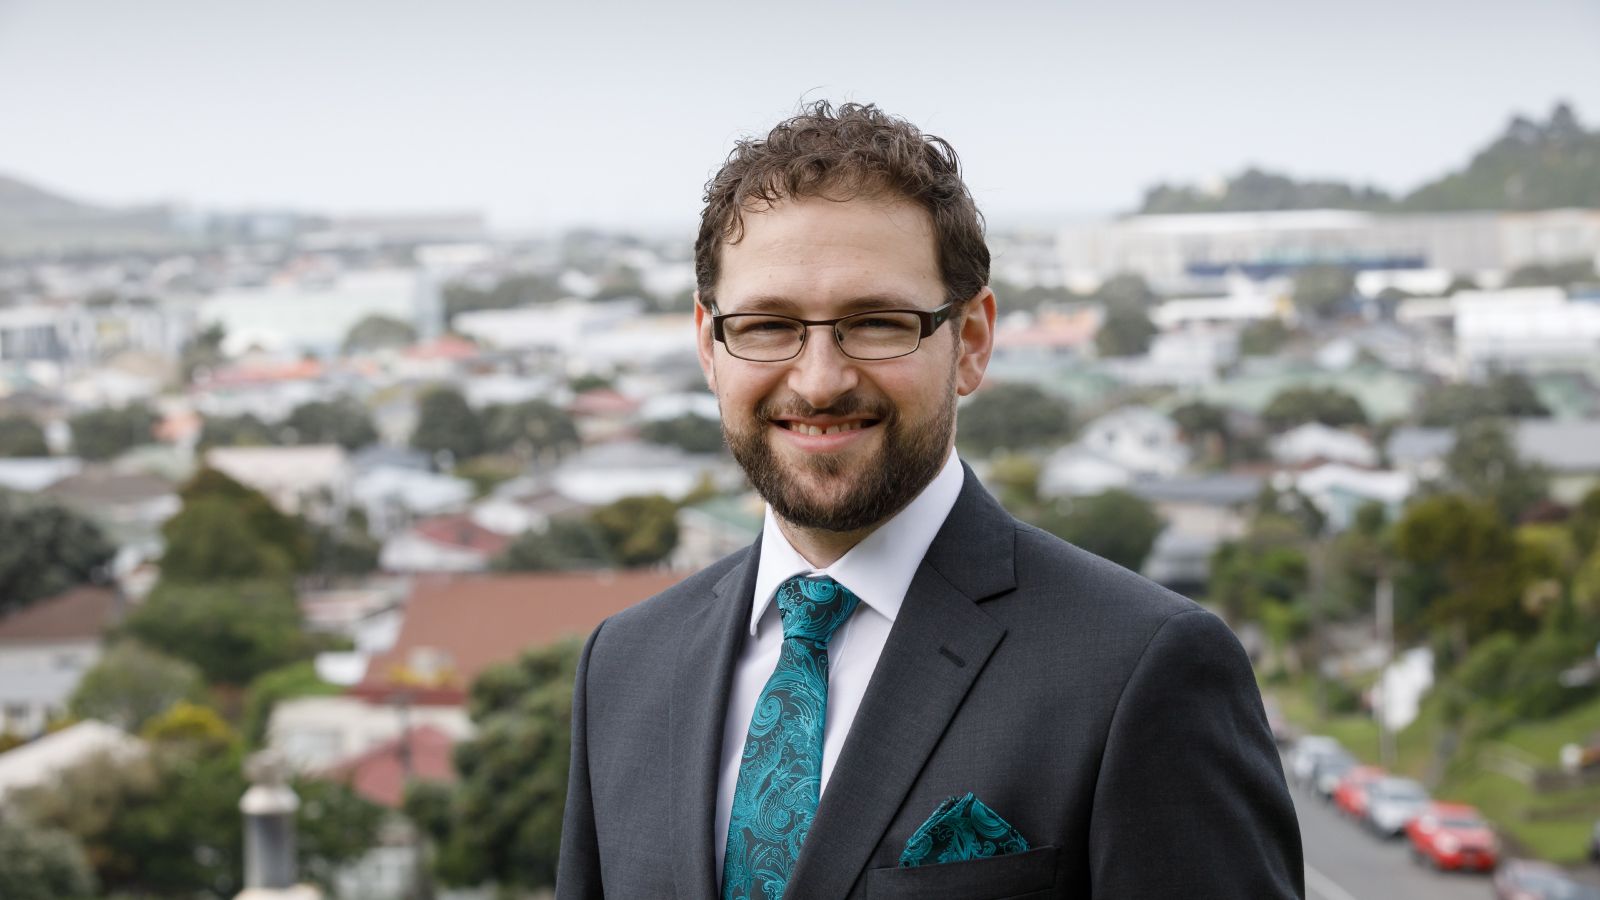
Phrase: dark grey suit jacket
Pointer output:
(1117, 725)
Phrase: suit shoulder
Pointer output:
(1048, 563)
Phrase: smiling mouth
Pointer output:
(816, 430)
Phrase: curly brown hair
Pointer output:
(858, 150)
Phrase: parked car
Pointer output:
(1522, 879)
(1391, 803)
(1453, 836)
(1303, 758)
(1329, 770)
(1351, 794)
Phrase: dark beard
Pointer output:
(910, 459)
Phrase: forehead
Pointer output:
(815, 253)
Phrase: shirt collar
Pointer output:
(880, 568)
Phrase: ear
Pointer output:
(975, 331)
(704, 344)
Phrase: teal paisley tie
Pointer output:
(780, 774)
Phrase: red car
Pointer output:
(1351, 794)
(1453, 836)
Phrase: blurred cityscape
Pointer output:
(349, 489)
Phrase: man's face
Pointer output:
(817, 259)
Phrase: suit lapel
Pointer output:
(940, 642)
(708, 644)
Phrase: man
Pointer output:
(899, 690)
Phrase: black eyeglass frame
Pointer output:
(931, 320)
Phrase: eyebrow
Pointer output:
(779, 304)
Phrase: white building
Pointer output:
(1525, 329)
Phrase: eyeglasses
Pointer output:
(879, 334)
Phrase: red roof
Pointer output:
(459, 531)
(444, 347)
(467, 623)
(602, 402)
(82, 613)
(380, 775)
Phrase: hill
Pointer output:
(1530, 166)
(34, 220)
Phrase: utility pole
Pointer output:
(1384, 608)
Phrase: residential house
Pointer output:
(1315, 442)
(455, 627)
(45, 649)
(1568, 449)
(1139, 439)
(130, 507)
(40, 762)
(30, 475)
(1200, 512)
(1077, 471)
(313, 479)
(603, 415)
(445, 543)
(1339, 491)
(608, 472)
(1524, 329)
(392, 497)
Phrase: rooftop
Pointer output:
(83, 612)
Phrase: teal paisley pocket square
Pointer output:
(961, 828)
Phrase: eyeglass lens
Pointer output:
(875, 335)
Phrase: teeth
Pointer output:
(803, 428)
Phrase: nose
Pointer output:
(821, 374)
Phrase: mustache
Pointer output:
(848, 405)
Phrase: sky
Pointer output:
(613, 114)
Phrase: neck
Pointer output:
(820, 547)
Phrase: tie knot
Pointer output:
(814, 608)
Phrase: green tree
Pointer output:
(243, 430)
(132, 684)
(1483, 463)
(342, 420)
(232, 631)
(1505, 394)
(226, 530)
(46, 549)
(1012, 417)
(569, 543)
(529, 430)
(1553, 275)
(1125, 291)
(347, 548)
(521, 289)
(1205, 426)
(1125, 332)
(446, 424)
(202, 354)
(1321, 291)
(1115, 524)
(1465, 576)
(640, 531)
(101, 434)
(21, 436)
(1264, 338)
(1265, 568)
(502, 822)
(688, 432)
(1298, 405)
(376, 332)
(42, 863)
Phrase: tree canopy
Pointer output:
(529, 430)
(342, 420)
(101, 434)
(502, 822)
(1012, 416)
(446, 424)
(232, 631)
(1115, 524)
(378, 332)
(46, 549)
(132, 684)
(1296, 406)
(21, 436)
(688, 432)
(1125, 332)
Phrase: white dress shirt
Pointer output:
(878, 570)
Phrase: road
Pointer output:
(1344, 862)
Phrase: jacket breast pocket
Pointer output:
(1014, 876)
